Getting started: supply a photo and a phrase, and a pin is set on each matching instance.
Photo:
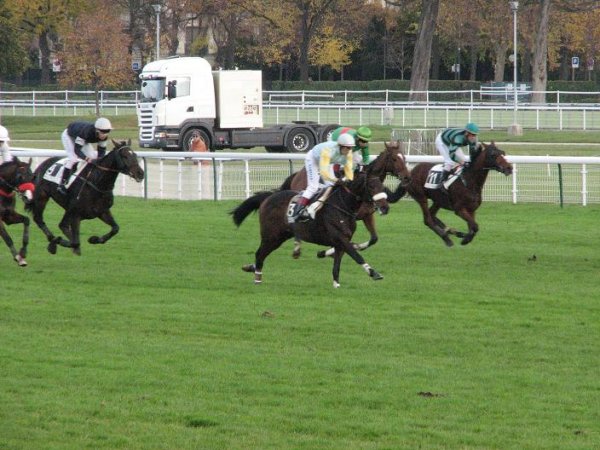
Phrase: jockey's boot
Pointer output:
(62, 189)
(299, 207)
(445, 175)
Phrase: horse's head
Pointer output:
(370, 188)
(17, 175)
(391, 160)
(126, 160)
(491, 157)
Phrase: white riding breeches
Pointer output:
(313, 178)
(449, 161)
(6, 155)
(69, 146)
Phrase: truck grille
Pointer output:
(145, 123)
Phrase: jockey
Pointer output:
(4, 148)
(318, 163)
(362, 136)
(449, 143)
(77, 140)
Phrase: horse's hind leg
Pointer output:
(69, 225)
(108, 219)
(432, 222)
(297, 249)
(264, 250)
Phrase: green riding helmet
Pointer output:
(364, 133)
(472, 128)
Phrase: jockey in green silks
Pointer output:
(362, 136)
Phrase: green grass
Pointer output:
(158, 339)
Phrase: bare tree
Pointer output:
(419, 80)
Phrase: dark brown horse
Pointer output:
(463, 196)
(90, 195)
(15, 176)
(333, 225)
(390, 161)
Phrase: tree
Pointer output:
(419, 79)
(14, 56)
(95, 56)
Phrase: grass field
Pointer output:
(158, 339)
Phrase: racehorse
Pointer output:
(390, 161)
(333, 225)
(15, 175)
(463, 196)
(89, 196)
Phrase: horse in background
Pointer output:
(463, 196)
(332, 226)
(390, 161)
(89, 196)
(15, 176)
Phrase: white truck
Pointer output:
(182, 97)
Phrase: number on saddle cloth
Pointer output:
(54, 172)
(434, 177)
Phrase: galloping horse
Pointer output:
(390, 161)
(333, 225)
(15, 175)
(463, 196)
(89, 196)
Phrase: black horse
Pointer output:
(333, 225)
(89, 196)
(463, 196)
(15, 176)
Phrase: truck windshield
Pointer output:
(153, 90)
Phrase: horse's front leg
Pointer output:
(468, 217)
(10, 244)
(348, 247)
(16, 218)
(69, 225)
(38, 217)
(369, 221)
(108, 219)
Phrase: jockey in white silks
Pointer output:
(318, 164)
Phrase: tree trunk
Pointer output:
(473, 50)
(539, 73)
(500, 49)
(419, 79)
(44, 43)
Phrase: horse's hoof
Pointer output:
(296, 255)
(52, 248)
(322, 254)
(77, 251)
(336, 284)
(20, 261)
(375, 275)
(248, 268)
(94, 240)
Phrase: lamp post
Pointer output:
(515, 128)
(157, 8)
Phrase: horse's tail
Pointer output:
(249, 205)
(393, 197)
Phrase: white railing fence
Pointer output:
(235, 176)
(491, 109)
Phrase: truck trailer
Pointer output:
(182, 98)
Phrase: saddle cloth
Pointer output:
(316, 203)
(434, 177)
(55, 171)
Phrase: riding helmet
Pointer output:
(472, 128)
(364, 134)
(4, 134)
(102, 123)
(346, 140)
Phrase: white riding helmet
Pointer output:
(102, 123)
(346, 140)
(4, 134)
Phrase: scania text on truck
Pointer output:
(182, 98)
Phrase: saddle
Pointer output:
(54, 172)
(434, 177)
(316, 203)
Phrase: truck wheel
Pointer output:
(191, 134)
(327, 131)
(299, 140)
